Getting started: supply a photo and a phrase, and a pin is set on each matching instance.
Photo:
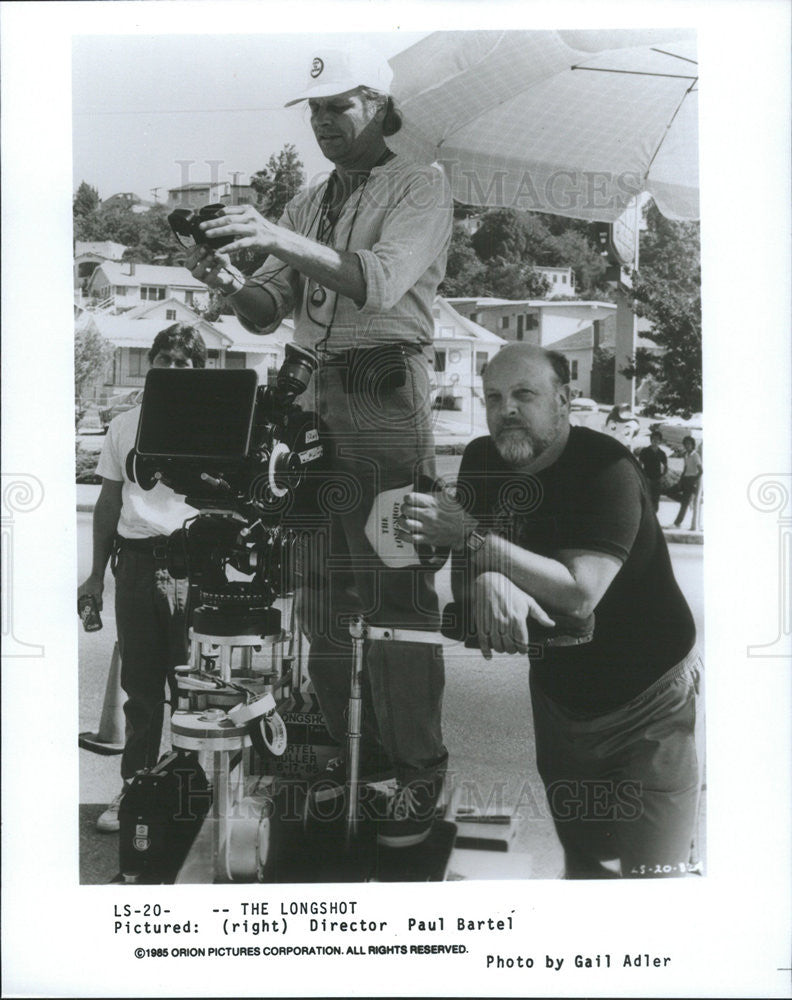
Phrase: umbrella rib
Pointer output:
(673, 55)
(667, 128)
(633, 72)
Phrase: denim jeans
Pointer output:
(150, 613)
(382, 440)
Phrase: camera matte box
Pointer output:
(197, 413)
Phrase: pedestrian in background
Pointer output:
(655, 465)
(691, 477)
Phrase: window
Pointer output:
(573, 370)
(563, 279)
(120, 290)
(481, 362)
(188, 297)
(531, 321)
(555, 279)
(440, 361)
(152, 292)
(236, 359)
(504, 322)
(138, 361)
(170, 314)
(475, 317)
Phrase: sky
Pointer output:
(142, 104)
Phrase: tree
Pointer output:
(506, 279)
(511, 235)
(576, 250)
(667, 290)
(92, 354)
(86, 200)
(278, 182)
(603, 376)
(465, 273)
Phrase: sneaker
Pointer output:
(331, 782)
(108, 820)
(411, 813)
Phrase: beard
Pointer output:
(517, 445)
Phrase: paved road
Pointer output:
(487, 722)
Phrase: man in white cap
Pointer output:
(356, 260)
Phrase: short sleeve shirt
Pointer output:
(144, 513)
(594, 498)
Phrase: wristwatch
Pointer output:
(475, 540)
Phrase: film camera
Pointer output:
(186, 226)
(253, 464)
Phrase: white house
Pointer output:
(534, 321)
(462, 350)
(198, 193)
(578, 348)
(561, 280)
(89, 254)
(125, 285)
(132, 333)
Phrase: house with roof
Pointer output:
(462, 350)
(578, 348)
(198, 193)
(534, 321)
(120, 286)
(560, 280)
(88, 255)
(128, 199)
(132, 333)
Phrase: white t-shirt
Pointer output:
(143, 513)
(692, 464)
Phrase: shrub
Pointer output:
(85, 466)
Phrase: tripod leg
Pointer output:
(353, 739)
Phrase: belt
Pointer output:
(359, 355)
(156, 545)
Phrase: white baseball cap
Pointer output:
(336, 71)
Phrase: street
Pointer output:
(487, 727)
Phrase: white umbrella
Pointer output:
(577, 123)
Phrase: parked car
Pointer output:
(119, 404)
(675, 429)
(585, 412)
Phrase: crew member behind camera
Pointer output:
(558, 521)
(131, 525)
(357, 260)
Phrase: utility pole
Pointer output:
(154, 192)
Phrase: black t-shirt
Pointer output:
(654, 463)
(594, 497)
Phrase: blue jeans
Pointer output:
(687, 490)
(626, 785)
(150, 613)
(382, 440)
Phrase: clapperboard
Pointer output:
(310, 746)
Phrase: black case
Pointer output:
(160, 815)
